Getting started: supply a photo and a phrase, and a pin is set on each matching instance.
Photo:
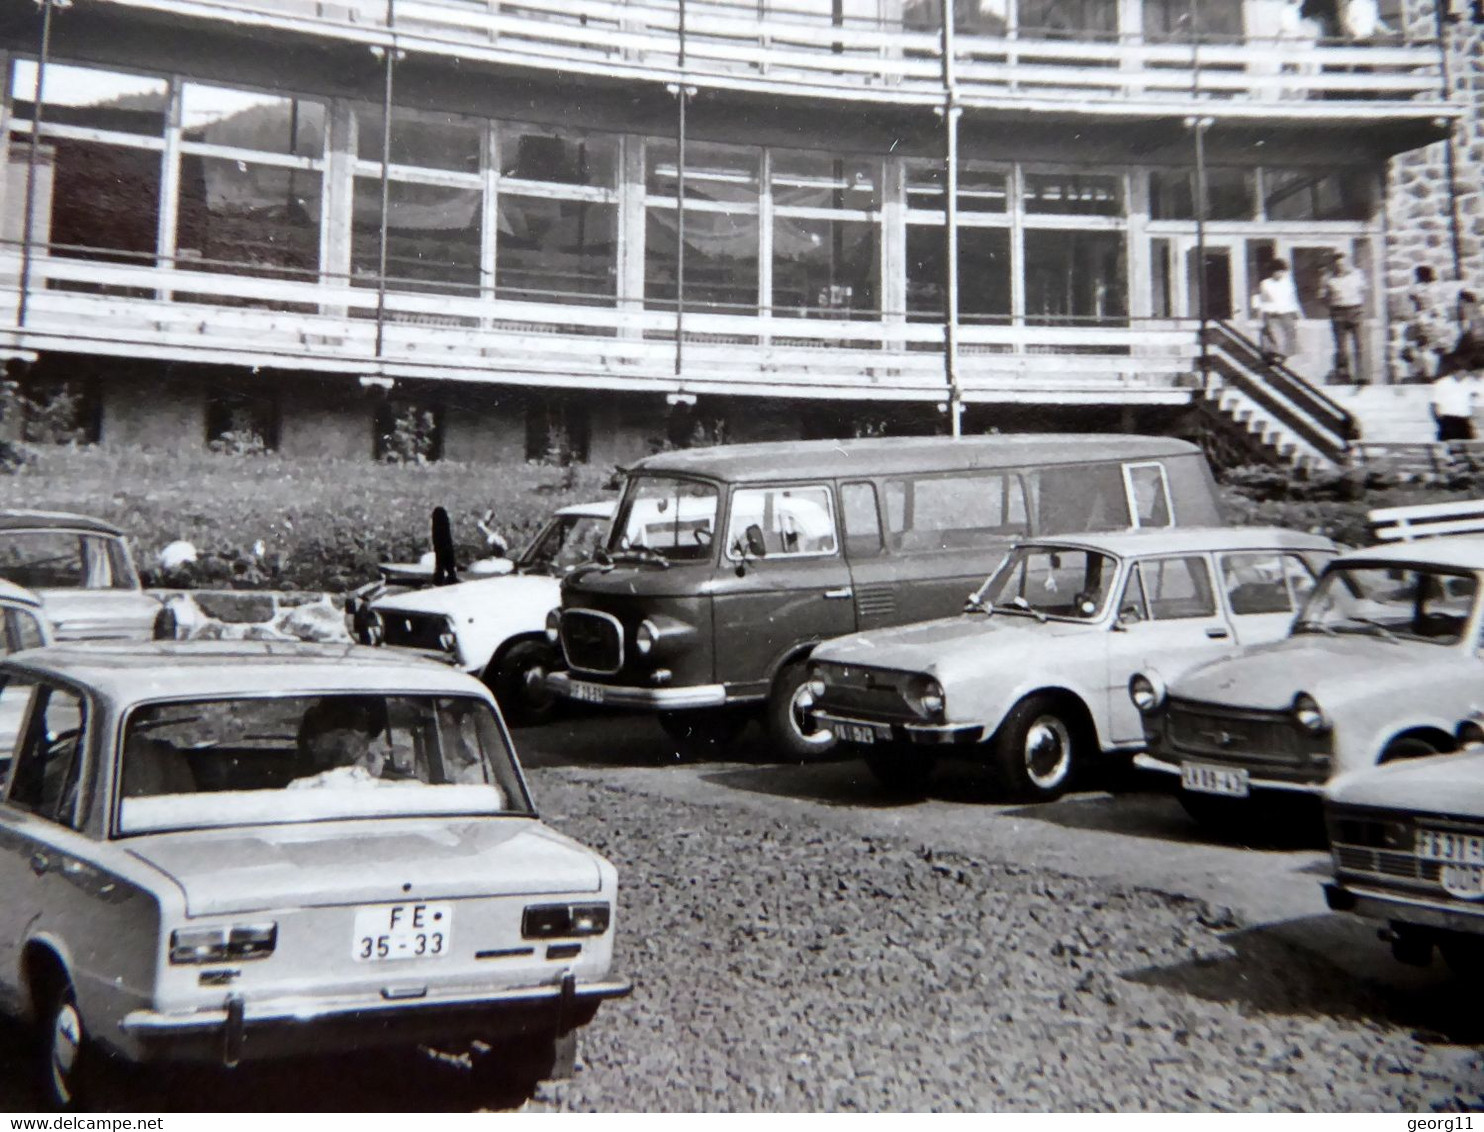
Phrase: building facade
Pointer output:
(582, 226)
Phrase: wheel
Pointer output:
(66, 1055)
(518, 681)
(1036, 752)
(1407, 747)
(903, 774)
(788, 733)
(703, 733)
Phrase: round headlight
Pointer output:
(554, 625)
(645, 636)
(1309, 715)
(448, 642)
(929, 695)
(815, 685)
(1147, 692)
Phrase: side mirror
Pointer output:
(756, 546)
(1128, 615)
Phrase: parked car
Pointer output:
(227, 851)
(82, 571)
(22, 626)
(1407, 844)
(1381, 663)
(494, 627)
(1031, 678)
(727, 566)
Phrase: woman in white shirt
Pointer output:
(1277, 304)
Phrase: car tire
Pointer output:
(516, 681)
(509, 1071)
(1223, 816)
(902, 774)
(67, 1059)
(1036, 750)
(704, 733)
(784, 718)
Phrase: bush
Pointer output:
(315, 524)
(412, 437)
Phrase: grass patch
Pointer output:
(323, 524)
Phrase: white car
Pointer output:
(1032, 678)
(495, 627)
(81, 570)
(230, 851)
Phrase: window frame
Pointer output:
(729, 542)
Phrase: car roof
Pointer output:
(13, 519)
(134, 671)
(599, 509)
(18, 595)
(1171, 540)
(1464, 551)
(744, 463)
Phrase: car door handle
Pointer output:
(40, 862)
(1215, 632)
(844, 591)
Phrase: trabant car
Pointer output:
(229, 851)
(727, 566)
(1407, 844)
(82, 571)
(1031, 679)
(494, 627)
(1382, 662)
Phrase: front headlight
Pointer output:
(562, 921)
(645, 636)
(448, 641)
(1147, 691)
(816, 682)
(1309, 715)
(554, 625)
(926, 696)
(369, 628)
(224, 943)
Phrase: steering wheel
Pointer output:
(702, 535)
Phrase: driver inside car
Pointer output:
(342, 741)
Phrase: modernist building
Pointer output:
(555, 220)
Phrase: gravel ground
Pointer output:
(778, 966)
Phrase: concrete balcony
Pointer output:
(734, 47)
(123, 310)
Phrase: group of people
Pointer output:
(1343, 291)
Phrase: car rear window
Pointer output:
(275, 760)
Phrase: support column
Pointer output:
(337, 201)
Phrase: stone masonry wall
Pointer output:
(1418, 224)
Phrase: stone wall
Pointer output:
(1419, 228)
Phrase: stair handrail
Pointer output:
(1321, 421)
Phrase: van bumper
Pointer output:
(620, 695)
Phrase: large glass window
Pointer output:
(983, 273)
(1231, 194)
(974, 17)
(1182, 21)
(826, 235)
(980, 189)
(721, 227)
(1069, 19)
(433, 235)
(265, 123)
(1074, 194)
(1073, 276)
(531, 153)
(93, 98)
(1318, 194)
(420, 138)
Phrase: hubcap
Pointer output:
(797, 709)
(534, 683)
(66, 1041)
(1048, 752)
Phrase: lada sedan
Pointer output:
(227, 851)
(1031, 679)
(1381, 663)
(1407, 841)
(82, 571)
(495, 627)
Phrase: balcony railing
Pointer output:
(731, 45)
(125, 309)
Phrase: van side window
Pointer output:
(862, 519)
(953, 512)
(1178, 588)
(1080, 497)
(793, 520)
(1149, 495)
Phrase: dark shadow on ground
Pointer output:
(1281, 968)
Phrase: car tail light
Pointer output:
(223, 942)
(557, 921)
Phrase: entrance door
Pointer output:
(1222, 266)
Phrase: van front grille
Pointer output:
(592, 641)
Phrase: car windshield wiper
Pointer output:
(1380, 629)
(643, 554)
(1307, 624)
(1025, 607)
(976, 603)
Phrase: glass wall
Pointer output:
(721, 226)
(984, 239)
(826, 235)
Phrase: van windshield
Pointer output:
(667, 519)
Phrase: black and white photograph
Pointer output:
(742, 556)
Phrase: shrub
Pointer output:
(412, 437)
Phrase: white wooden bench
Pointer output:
(1426, 520)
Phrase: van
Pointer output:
(726, 566)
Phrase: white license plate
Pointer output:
(1451, 848)
(859, 732)
(1463, 881)
(1226, 781)
(402, 931)
(588, 693)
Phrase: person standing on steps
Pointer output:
(1344, 290)
(1277, 304)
